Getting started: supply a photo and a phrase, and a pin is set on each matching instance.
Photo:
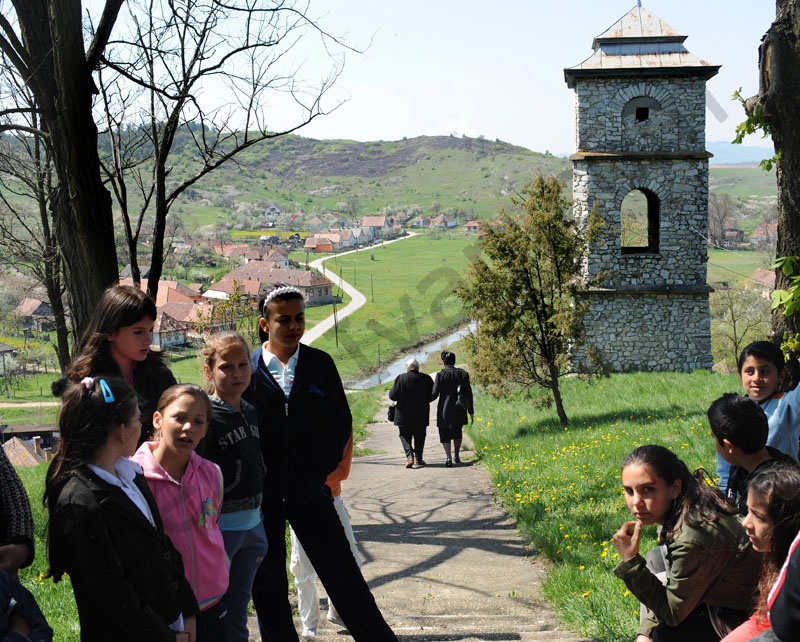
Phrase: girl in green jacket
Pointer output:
(699, 583)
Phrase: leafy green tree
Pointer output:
(521, 291)
(738, 317)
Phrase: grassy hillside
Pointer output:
(470, 177)
(471, 174)
(743, 181)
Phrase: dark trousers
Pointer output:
(320, 531)
(413, 440)
(211, 623)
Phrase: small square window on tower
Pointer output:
(642, 114)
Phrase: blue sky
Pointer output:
(495, 69)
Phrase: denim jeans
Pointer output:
(245, 550)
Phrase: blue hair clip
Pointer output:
(108, 396)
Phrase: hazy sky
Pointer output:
(496, 68)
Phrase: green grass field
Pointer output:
(735, 266)
(562, 484)
(409, 288)
(743, 181)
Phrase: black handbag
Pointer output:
(391, 413)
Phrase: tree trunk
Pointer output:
(554, 378)
(779, 87)
(52, 35)
(52, 271)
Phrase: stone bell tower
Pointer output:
(641, 165)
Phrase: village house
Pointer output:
(29, 444)
(443, 222)
(169, 291)
(168, 332)
(271, 213)
(315, 224)
(472, 227)
(243, 279)
(377, 227)
(260, 277)
(277, 255)
(732, 237)
(342, 222)
(420, 222)
(347, 237)
(764, 235)
(763, 281)
(319, 244)
(35, 315)
(144, 271)
(324, 242)
(196, 319)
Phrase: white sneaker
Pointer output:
(309, 633)
(333, 618)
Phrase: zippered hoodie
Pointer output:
(234, 444)
(190, 509)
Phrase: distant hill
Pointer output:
(472, 175)
(726, 153)
(467, 177)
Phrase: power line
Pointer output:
(725, 249)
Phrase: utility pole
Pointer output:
(335, 324)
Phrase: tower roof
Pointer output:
(640, 43)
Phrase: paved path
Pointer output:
(357, 299)
(443, 561)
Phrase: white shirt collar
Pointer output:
(126, 470)
(268, 356)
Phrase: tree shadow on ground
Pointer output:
(582, 420)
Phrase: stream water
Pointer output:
(422, 355)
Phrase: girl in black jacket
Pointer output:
(117, 342)
(105, 531)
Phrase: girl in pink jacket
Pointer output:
(188, 491)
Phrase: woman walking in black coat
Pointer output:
(412, 391)
(451, 384)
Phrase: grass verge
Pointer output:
(562, 485)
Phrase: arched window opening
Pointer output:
(640, 220)
(640, 109)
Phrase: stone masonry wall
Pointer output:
(649, 332)
(653, 311)
(678, 126)
(681, 187)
